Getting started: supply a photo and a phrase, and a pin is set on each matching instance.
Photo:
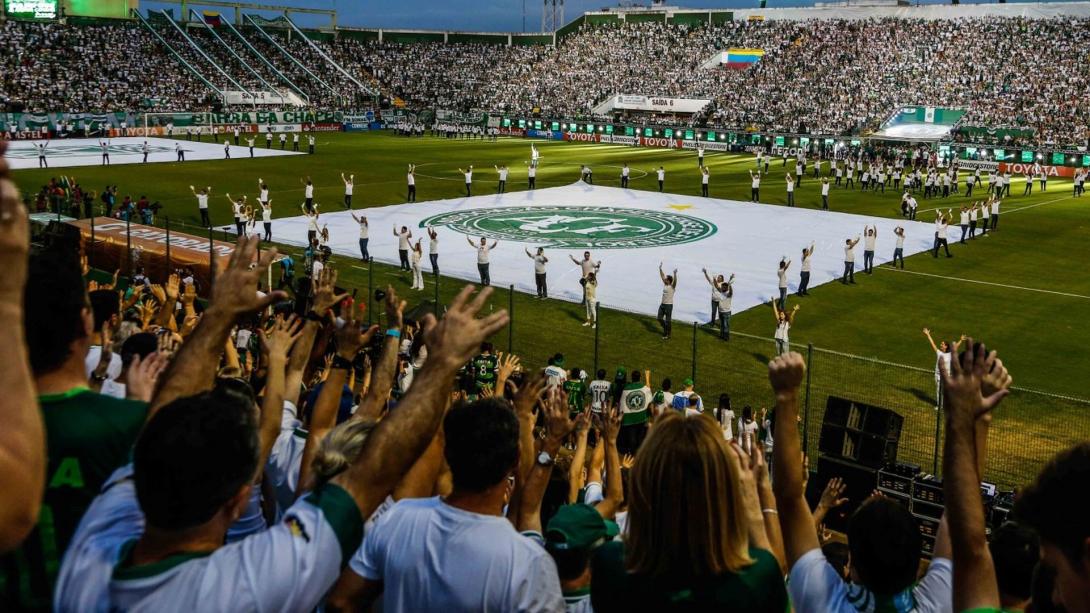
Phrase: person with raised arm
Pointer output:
(418, 272)
(202, 203)
(781, 275)
(365, 230)
(410, 178)
(154, 538)
(403, 237)
(722, 297)
(433, 251)
(483, 249)
(883, 537)
(714, 282)
(784, 321)
(666, 306)
(974, 383)
(349, 186)
(468, 172)
(501, 170)
(804, 274)
(871, 236)
(586, 267)
(237, 205)
(308, 194)
(943, 351)
(539, 271)
(849, 261)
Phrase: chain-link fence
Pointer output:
(1029, 428)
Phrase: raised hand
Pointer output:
(277, 341)
(785, 373)
(147, 313)
(558, 422)
(325, 291)
(235, 290)
(143, 375)
(189, 296)
(608, 422)
(172, 289)
(963, 382)
(394, 309)
(455, 339)
(352, 337)
(158, 292)
(526, 397)
(833, 495)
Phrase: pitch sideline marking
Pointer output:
(1003, 285)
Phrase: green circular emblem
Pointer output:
(581, 227)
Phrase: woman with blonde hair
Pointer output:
(696, 534)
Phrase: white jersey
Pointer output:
(539, 264)
(202, 201)
(433, 244)
(348, 188)
(782, 274)
(403, 241)
(309, 191)
(599, 394)
(503, 174)
(587, 266)
(365, 229)
(288, 567)
(411, 179)
(469, 176)
(482, 254)
(430, 555)
(661, 174)
(868, 242)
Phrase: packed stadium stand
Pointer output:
(826, 76)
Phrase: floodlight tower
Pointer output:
(552, 15)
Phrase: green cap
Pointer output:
(621, 371)
(688, 382)
(578, 526)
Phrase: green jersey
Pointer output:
(88, 437)
(484, 370)
(635, 400)
(577, 393)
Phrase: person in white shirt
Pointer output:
(871, 237)
(468, 172)
(295, 141)
(666, 306)
(941, 230)
(308, 193)
(458, 552)
(747, 429)
(714, 281)
(781, 274)
(310, 143)
(411, 179)
(364, 236)
(624, 175)
(483, 248)
(202, 203)
(804, 275)
(754, 186)
(237, 207)
(700, 157)
(661, 174)
(349, 185)
(849, 261)
(899, 250)
(943, 353)
(531, 177)
(433, 251)
(586, 266)
(266, 219)
(825, 193)
(539, 271)
(501, 187)
(403, 238)
(587, 174)
(418, 274)
(705, 176)
(784, 321)
(283, 140)
(995, 210)
(590, 299)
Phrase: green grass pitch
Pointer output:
(1024, 289)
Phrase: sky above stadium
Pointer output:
(474, 15)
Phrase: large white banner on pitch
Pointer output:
(630, 232)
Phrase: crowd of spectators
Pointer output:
(816, 76)
(265, 449)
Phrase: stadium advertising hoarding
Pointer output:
(1019, 168)
(30, 9)
(277, 117)
(260, 97)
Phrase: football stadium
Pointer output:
(726, 307)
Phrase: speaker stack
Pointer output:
(856, 440)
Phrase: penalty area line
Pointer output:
(979, 282)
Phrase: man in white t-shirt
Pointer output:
(202, 203)
(459, 552)
(586, 266)
(539, 271)
(468, 172)
(483, 249)
(849, 261)
(661, 174)
(555, 375)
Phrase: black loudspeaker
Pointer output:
(859, 480)
(859, 432)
